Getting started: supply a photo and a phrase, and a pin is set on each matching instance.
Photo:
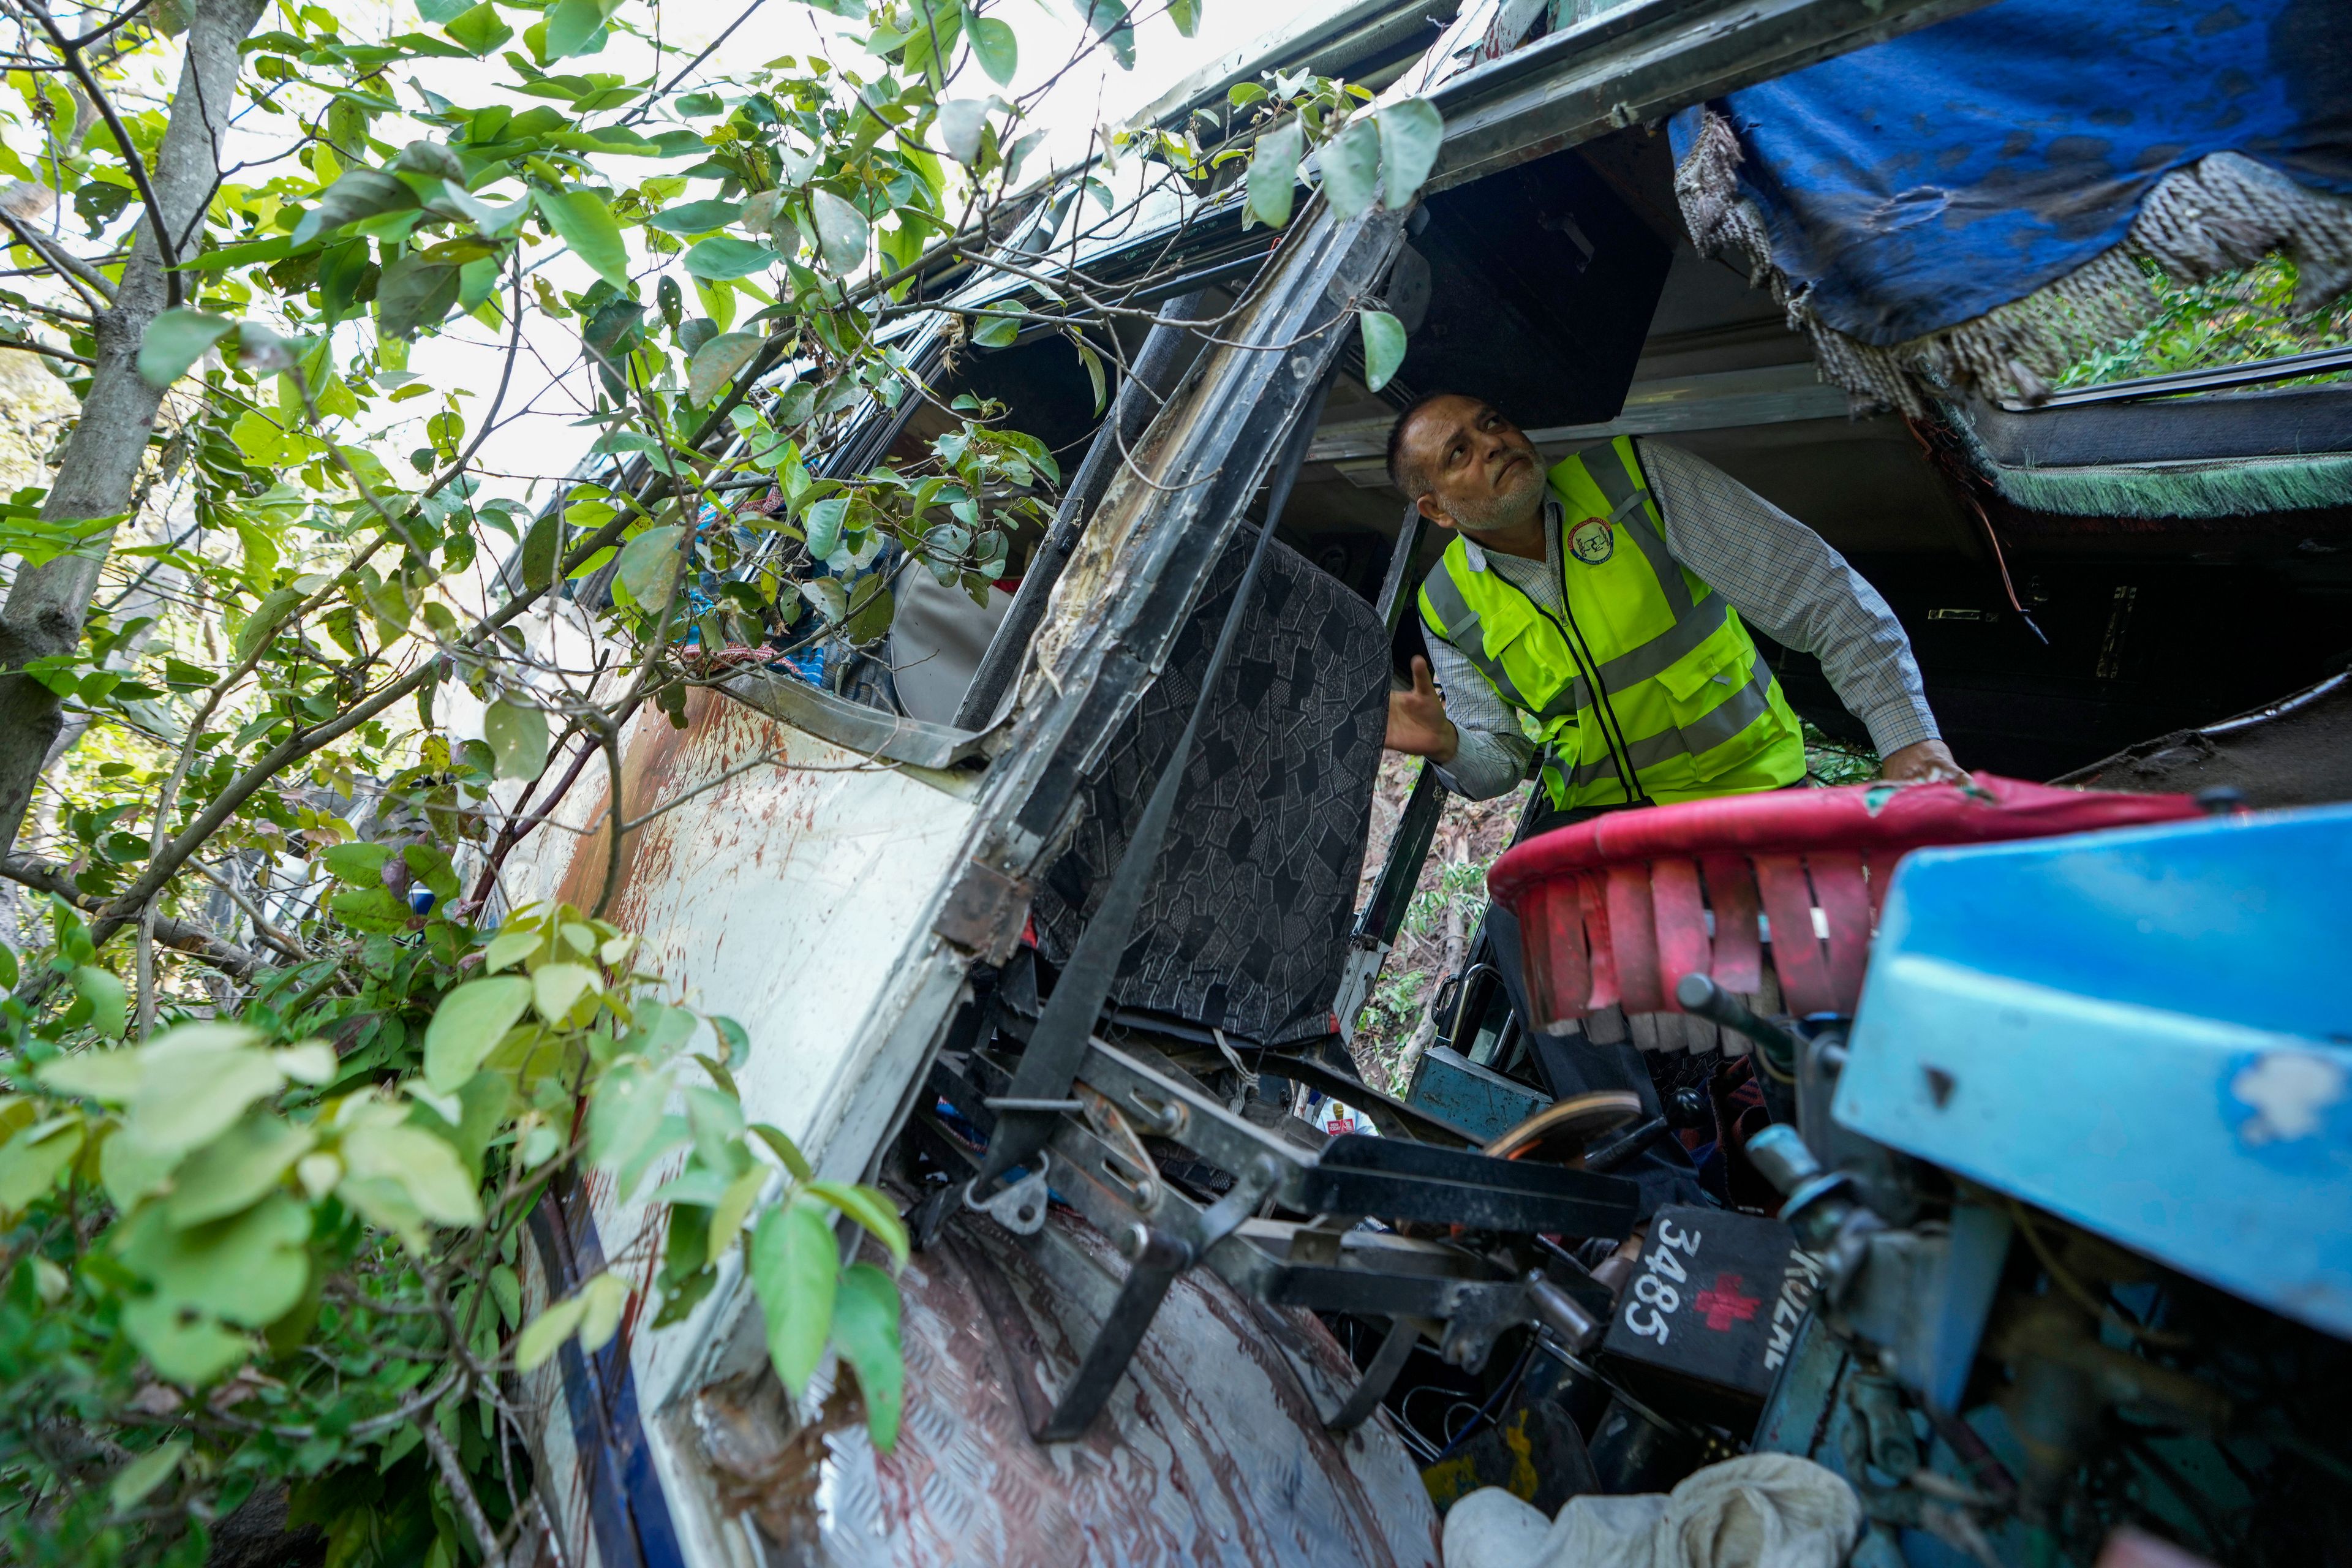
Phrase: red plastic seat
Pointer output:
(1613, 912)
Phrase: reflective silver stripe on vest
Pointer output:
(1710, 730)
(1463, 632)
(1608, 469)
(1652, 658)
(1693, 623)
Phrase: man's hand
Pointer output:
(1417, 723)
(1922, 761)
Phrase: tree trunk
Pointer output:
(47, 605)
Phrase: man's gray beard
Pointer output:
(1503, 511)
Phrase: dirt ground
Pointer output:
(1446, 904)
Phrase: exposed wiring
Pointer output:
(2081, 1294)
(1503, 1391)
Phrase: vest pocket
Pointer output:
(1711, 700)
(1536, 661)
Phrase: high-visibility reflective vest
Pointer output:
(1692, 709)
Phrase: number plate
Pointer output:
(1716, 1296)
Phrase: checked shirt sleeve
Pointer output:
(1788, 582)
(1495, 755)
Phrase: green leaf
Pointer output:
(249, 1269)
(438, 12)
(716, 362)
(785, 1149)
(1274, 173)
(509, 947)
(1186, 14)
(144, 1474)
(199, 1080)
(361, 865)
(371, 910)
(31, 1161)
(414, 293)
(961, 121)
(582, 221)
(869, 1208)
(996, 50)
(733, 1207)
(795, 1270)
(129, 1171)
(995, 332)
(432, 868)
(310, 1061)
(570, 24)
(1109, 19)
(842, 231)
(468, 1026)
(359, 194)
(1351, 164)
(722, 256)
(556, 989)
(1410, 134)
(479, 30)
(108, 1002)
(271, 250)
(182, 1348)
(628, 1126)
(1383, 347)
(424, 1171)
(601, 1302)
(110, 1076)
(696, 218)
(176, 340)
(545, 1334)
(822, 524)
(1093, 362)
(542, 546)
(264, 619)
(506, 1289)
(517, 734)
(649, 565)
(865, 1331)
(8, 960)
(236, 1170)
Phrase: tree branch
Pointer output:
(94, 284)
(165, 245)
(461, 1491)
(182, 936)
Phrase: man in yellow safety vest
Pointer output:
(1590, 623)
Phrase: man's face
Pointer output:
(1478, 471)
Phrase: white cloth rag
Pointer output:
(1761, 1510)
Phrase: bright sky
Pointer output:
(536, 435)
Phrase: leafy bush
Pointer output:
(293, 1245)
(2234, 319)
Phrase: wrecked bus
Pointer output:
(1056, 970)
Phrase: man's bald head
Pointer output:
(1465, 463)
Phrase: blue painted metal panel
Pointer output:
(1475, 1099)
(2148, 1032)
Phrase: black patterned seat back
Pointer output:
(1245, 925)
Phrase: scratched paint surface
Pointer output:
(1210, 1452)
(782, 897)
(789, 897)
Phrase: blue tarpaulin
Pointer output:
(1921, 183)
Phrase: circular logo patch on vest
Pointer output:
(1591, 542)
